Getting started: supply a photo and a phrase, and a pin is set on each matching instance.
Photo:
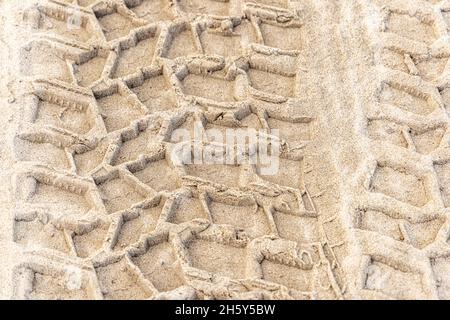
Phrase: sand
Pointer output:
(96, 204)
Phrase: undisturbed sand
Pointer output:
(94, 206)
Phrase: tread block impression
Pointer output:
(410, 101)
(117, 108)
(33, 231)
(289, 276)
(400, 229)
(133, 56)
(218, 258)
(114, 22)
(151, 10)
(118, 280)
(137, 223)
(411, 27)
(159, 265)
(386, 179)
(392, 281)
(187, 208)
(68, 283)
(118, 192)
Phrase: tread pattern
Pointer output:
(100, 206)
(401, 214)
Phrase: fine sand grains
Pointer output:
(99, 204)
